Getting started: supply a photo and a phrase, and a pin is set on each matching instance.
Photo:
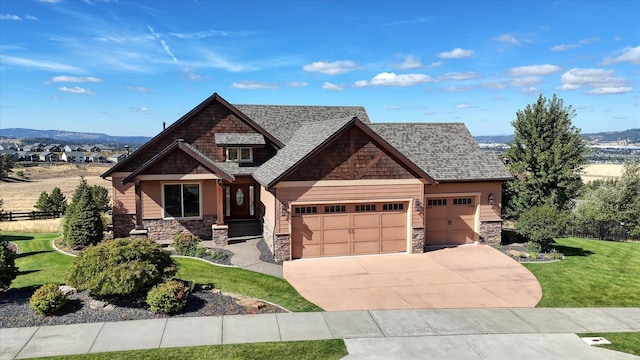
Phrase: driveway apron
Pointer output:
(468, 276)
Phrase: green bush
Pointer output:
(540, 224)
(8, 268)
(186, 244)
(168, 298)
(121, 267)
(82, 225)
(47, 299)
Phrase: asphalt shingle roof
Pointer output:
(282, 121)
(239, 139)
(306, 139)
(445, 151)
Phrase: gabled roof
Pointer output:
(187, 149)
(284, 120)
(213, 98)
(310, 139)
(446, 151)
(236, 139)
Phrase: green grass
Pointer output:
(295, 350)
(39, 264)
(625, 342)
(249, 283)
(594, 273)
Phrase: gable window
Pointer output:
(240, 154)
(181, 200)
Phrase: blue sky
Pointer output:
(123, 67)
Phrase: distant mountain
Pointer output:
(72, 137)
(632, 135)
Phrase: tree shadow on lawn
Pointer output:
(572, 251)
(11, 238)
(21, 255)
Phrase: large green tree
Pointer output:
(545, 158)
(82, 224)
(6, 165)
(56, 201)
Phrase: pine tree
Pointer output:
(8, 268)
(57, 200)
(546, 157)
(82, 224)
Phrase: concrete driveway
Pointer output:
(469, 276)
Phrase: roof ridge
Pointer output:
(293, 105)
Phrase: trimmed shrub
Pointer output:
(121, 267)
(186, 244)
(47, 299)
(8, 268)
(168, 298)
(540, 224)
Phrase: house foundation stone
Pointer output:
(281, 247)
(166, 229)
(268, 234)
(417, 240)
(491, 231)
(139, 234)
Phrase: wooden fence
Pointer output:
(29, 215)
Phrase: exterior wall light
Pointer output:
(491, 199)
(418, 205)
(283, 210)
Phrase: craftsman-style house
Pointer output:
(320, 180)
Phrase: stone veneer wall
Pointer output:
(165, 229)
(281, 247)
(268, 234)
(491, 231)
(220, 234)
(417, 240)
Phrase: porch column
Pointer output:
(219, 202)
(138, 189)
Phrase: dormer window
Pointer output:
(240, 154)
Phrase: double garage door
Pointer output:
(348, 229)
(450, 220)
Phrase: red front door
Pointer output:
(240, 201)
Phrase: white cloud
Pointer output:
(435, 64)
(142, 109)
(164, 45)
(10, 17)
(139, 89)
(507, 38)
(392, 79)
(525, 81)
(330, 68)
(75, 79)
(392, 107)
(565, 47)
(458, 76)
(599, 81)
(465, 106)
(210, 33)
(31, 17)
(495, 85)
(457, 88)
(252, 85)
(530, 90)
(76, 90)
(533, 70)
(332, 87)
(296, 84)
(187, 73)
(40, 64)
(456, 53)
(409, 62)
(628, 54)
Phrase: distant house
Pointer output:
(8, 146)
(28, 156)
(12, 154)
(53, 148)
(100, 148)
(73, 148)
(73, 156)
(116, 158)
(33, 148)
(48, 156)
(96, 158)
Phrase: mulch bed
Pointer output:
(82, 308)
(520, 252)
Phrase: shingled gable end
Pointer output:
(317, 180)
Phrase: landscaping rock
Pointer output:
(67, 290)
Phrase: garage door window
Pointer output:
(437, 202)
(463, 201)
(335, 209)
(365, 207)
(393, 207)
(305, 210)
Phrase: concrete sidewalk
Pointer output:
(498, 333)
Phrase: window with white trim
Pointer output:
(181, 200)
(240, 154)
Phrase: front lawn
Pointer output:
(594, 273)
(39, 263)
(628, 342)
(295, 350)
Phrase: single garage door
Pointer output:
(348, 229)
(450, 221)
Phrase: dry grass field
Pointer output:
(21, 193)
(593, 172)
